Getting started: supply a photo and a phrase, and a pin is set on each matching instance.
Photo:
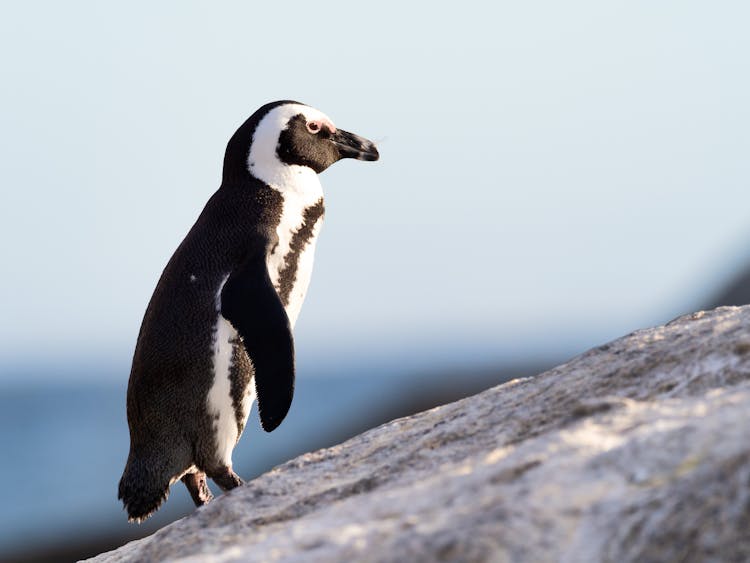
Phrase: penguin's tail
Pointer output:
(143, 488)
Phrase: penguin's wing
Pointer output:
(250, 303)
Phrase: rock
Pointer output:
(634, 451)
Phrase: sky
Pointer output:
(552, 175)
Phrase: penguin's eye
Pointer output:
(313, 127)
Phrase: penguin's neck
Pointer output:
(299, 187)
(292, 182)
(297, 183)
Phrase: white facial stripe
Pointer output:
(220, 395)
(263, 162)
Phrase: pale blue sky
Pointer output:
(553, 174)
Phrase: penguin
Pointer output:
(217, 332)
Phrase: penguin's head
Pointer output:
(284, 139)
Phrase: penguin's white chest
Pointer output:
(290, 263)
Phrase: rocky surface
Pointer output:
(638, 450)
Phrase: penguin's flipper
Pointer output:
(250, 303)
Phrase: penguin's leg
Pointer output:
(225, 478)
(197, 486)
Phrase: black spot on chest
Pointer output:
(300, 239)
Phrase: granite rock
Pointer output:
(638, 450)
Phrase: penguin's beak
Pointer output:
(354, 146)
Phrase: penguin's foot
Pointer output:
(225, 478)
(198, 487)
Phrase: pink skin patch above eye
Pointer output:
(317, 124)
